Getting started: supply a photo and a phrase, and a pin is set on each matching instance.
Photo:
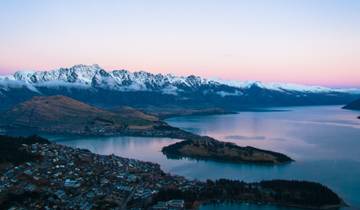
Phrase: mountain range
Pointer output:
(92, 84)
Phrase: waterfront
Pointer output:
(323, 140)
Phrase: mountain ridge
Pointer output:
(93, 85)
(92, 75)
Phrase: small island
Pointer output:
(207, 148)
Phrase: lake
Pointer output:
(324, 141)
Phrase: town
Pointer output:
(79, 179)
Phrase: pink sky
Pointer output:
(307, 42)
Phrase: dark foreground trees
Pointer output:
(283, 192)
(11, 152)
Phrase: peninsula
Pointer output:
(355, 105)
(64, 115)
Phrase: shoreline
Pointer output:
(205, 203)
(210, 149)
(246, 154)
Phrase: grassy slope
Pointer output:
(65, 113)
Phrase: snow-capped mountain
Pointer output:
(287, 87)
(94, 76)
(111, 88)
(123, 80)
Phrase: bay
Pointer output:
(324, 141)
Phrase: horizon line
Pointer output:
(216, 79)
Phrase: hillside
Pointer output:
(61, 114)
(355, 105)
(130, 112)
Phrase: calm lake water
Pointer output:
(324, 141)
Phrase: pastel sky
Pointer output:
(298, 41)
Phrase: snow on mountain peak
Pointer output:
(123, 80)
(283, 86)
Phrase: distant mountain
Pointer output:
(94, 85)
(60, 114)
(355, 105)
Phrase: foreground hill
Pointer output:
(52, 176)
(355, 105)
(63, 115)
(95, 86)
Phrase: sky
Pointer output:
(313, 42)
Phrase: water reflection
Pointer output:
(323, 140)
(326, 132)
